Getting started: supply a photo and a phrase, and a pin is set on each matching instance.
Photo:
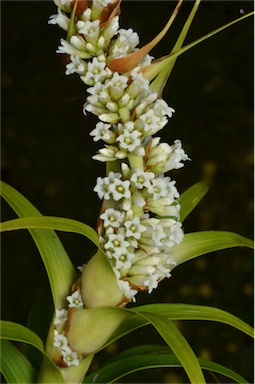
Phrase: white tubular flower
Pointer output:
(161, 108)
(128, 38)
(60, 340)
(60, 19)
(60, 317)
(102, 185)
(134, 228)
(154, 232)
(158, 188)
(86, 15)
(138, 85)
(112, 218)
(96, 72)
(65, 5)
(173, 231)
(70, 357)
(75, 300)
(119, 189)
(76, 66)
(142, 179)
(127, 290)
(117, 241)
(165, 206)
(76, 47)
(129, 140)
(111, 29)
(90, 30)
(117, 85)
(110, 153)
(123, 258)
(103, 132)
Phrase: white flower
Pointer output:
(142, 179)
(90, 30)
(123, 258)
(129, 140)
(60, 340)
(112, 218)
(75, 300)
(116, 241)
(151, 282)
(178, 155)
(103, 132)
(70, 357)
(60, 19)
(127, 290)
(77, 46)
(96, 72)
(161, 108)
(76, 66)
(60, 317)
(119, 189)
(129, 38)
(134, 228)
(158, 188)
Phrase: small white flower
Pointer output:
(129, 140)
(60, 340)
(161, 108)
(117, 241)
(90, 30)
(60, 19)
(96, 72)
(129, 38)
(151, 282)
(123, 258)
(75, 300)
(103, 132)
(76, 66)
(119, 189)
(158, 188)
(112, 218)
(127, 290)
(60, 317)
(70, 357)
(150, 121)
(134, 228)
(142, 179)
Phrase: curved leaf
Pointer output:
(50, 222)
(191, 197)
(178, 344)
(14, 365)
(200, 243)
(114, 371)
(179, 312)
(60, 270)
(17, 332)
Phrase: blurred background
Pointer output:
(47, 150)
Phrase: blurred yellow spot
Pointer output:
(205, 353)
(232, 347)
(205, 290)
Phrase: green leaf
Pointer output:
(17, 332)
(14, 365)
(50, 222)
(178, 344)
(191, 197)
(200, 243)
(60, 270)
(179, 312)
(114, 371)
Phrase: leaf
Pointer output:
(17, 332)
(179, 312)
(178, 344)
(191, 197)
(14, 365)
(114, 371)
(50, 222)
(60, 270)
(200, 243)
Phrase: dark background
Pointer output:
(47, 150)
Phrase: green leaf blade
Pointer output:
(200, 243)
(191, 197)
(123, 367)
(60, 270)
(14, 365)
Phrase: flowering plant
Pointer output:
(139, 236)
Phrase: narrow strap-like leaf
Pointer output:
(14, 365)
(200, 243)
(178, 344)
(17, 332)
(60, 270)
(54, 223)
(191, 197)
(114, 371)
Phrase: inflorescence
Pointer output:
(139, 221)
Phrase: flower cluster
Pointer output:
(67, 355)
(139, 222)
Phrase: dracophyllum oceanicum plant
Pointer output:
(140, 236)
